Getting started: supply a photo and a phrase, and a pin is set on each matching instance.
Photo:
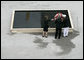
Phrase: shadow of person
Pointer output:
(40, 42)
(65, 43)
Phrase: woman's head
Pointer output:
(46, 17)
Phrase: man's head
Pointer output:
(64, 15)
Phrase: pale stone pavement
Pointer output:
(33, 46)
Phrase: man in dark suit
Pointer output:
(59, 24)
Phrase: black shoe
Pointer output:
(55, 37)
(58, 37)
(42, 36)
(66, 36)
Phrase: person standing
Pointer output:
(59, 24)
(65, 27)
(46, 25)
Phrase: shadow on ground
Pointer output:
(40, 42)
(65, 43)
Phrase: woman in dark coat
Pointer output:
(46, 25)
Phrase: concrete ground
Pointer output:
(33, 46)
